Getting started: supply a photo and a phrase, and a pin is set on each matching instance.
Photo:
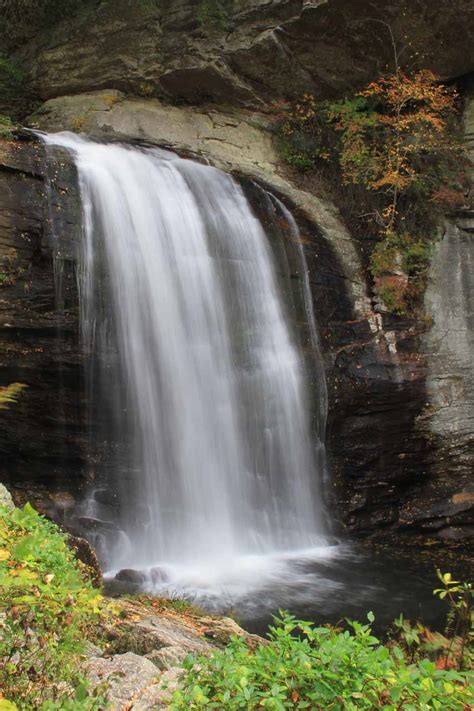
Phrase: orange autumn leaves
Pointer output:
(396, 142)
(398, 124)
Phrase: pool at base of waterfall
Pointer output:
(324, 584)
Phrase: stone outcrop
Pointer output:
(125, 676)
(259, 51)
(6, 498)
(140, 664)
(448, 417)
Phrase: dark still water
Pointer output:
(349, 586)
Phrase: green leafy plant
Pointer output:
(12, 78)
(307, 667)
(6, 130)
(47, 606)
(410, 635)
(304, 132)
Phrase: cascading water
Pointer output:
(182, 307)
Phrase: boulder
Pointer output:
(146, 649)
(6, 498)
(168, 657)
(159, 696)
(125, 678)
(129, 575)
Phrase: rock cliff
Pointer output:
(400, 421)
(257, 51)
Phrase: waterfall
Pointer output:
(183, 314)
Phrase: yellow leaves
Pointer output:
(407, 100)
(427, 684)
(10, 393)
(96, 604)
(23, 574)
(6, 705)
(385, 141)
(4, 554)
(113, 609)
(388, 212)
(391, 178)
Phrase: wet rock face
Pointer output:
(448, 416)
(265, 50)
(377, 392)
(42, 435)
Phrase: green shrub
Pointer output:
(6, 131)
(215, 14)
(47, 605)
(12, 78)
(306, 667)
(460, 626)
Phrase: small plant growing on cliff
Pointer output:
(13, 89)
(10, 394)
(20, 19)
(215, 15)
(460, 627)
(6, 130)
(395, 141)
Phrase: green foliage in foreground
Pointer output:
(48, 608)
(306, 667)
(47, 605)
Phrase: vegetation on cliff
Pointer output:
(21, 19)
(400, 163)
(10, 393)
(215, 15)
